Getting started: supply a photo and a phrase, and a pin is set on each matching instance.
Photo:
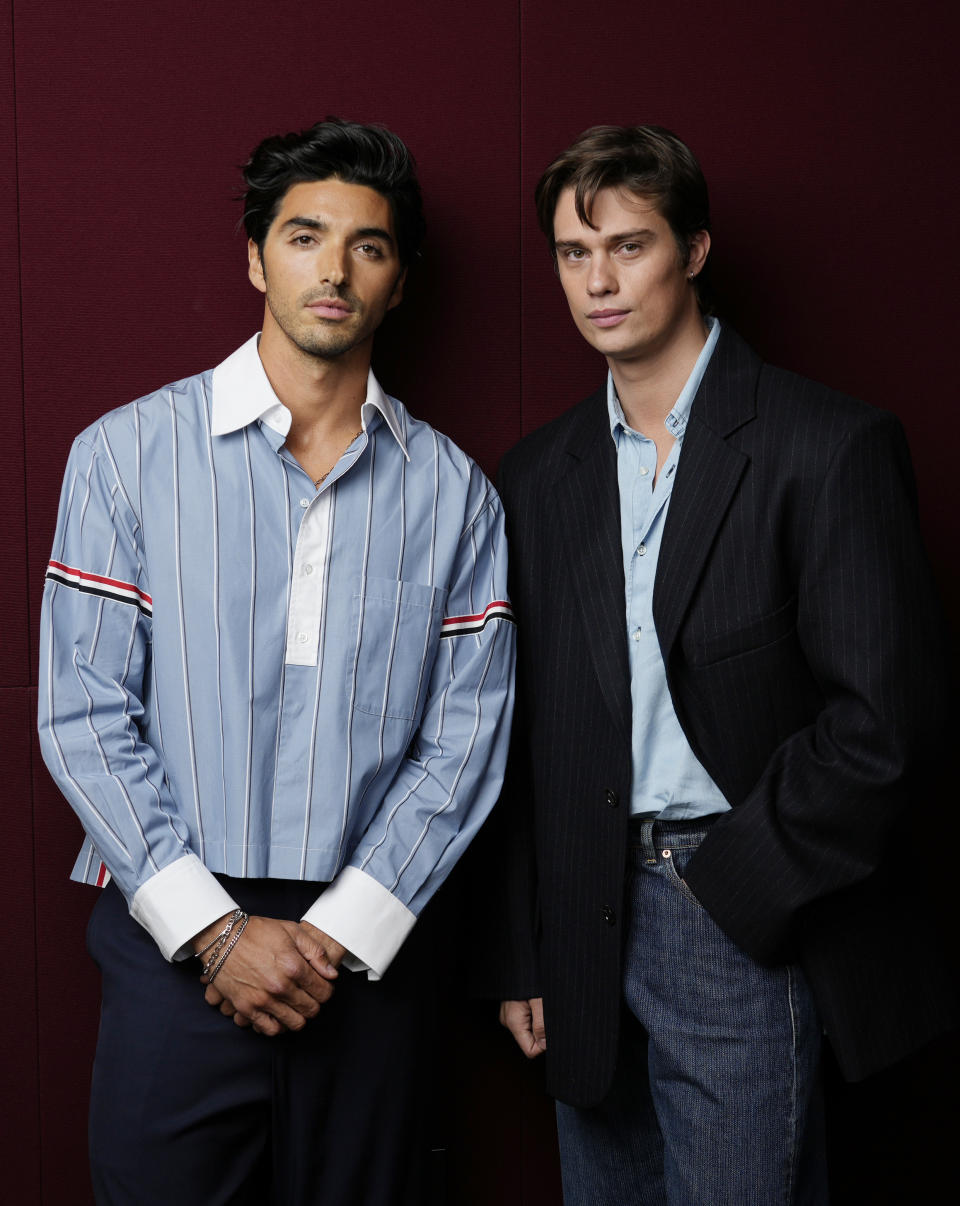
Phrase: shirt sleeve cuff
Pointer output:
(177, 903)
(360, 914)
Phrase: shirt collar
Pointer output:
(242, 394)
(676, 420)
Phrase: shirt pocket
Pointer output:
(397, 625)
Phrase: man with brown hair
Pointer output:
(729, 677)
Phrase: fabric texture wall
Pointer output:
(826, 132)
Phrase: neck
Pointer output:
(648, 386)
(323, 396)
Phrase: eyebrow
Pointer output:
(365, 232)
(624, 236)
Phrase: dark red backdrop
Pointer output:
(827, 133)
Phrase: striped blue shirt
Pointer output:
(244, 673)
(669, 782)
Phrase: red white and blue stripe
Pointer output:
(500, 609)
(97, 584)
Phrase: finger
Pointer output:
(308, 990)
(519, 1019)
(241, 1019)
(539, 1030)
(304, 999)
(280, 1015)
(265, 1023)
(515, 1015)
(506, 1013)
(311, 943)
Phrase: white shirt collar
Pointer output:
(242, 394)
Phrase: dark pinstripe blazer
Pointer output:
(802, 644)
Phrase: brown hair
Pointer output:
(649, 161)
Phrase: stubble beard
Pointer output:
(327, 340)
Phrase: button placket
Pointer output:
(306, 586)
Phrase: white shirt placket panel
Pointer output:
(307, 583)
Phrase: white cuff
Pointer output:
(177, 903)
(360, 914)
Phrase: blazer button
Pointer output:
(612, 798)
(608, 915)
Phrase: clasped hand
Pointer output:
(277, 976)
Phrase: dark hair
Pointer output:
(345, 150)
(649, 161)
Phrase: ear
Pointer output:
(255, 267)
(699, 249)
(397, 295)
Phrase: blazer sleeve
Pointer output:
(820, 816)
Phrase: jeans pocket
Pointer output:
(674, 863)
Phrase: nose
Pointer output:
(601, 279)
(333, 266)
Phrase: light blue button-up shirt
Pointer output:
(244, 673)
(668, 781)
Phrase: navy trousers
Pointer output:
(187, 1108)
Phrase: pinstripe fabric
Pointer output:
(243, 670)
(801, 640)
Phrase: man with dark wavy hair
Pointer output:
(729, 675)
(277, 664)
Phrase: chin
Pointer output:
(326, 349)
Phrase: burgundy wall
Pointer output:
(827, 134)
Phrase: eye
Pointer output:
(574, 255)
(370, 250)
(302, 240)
(630, 248)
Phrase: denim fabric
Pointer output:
(716, 1101)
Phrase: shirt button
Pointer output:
(304, 502)
(612, 798)
(608, 915)
(644, 471)
(641, 550)
(636, 634)
(302, 638)
(308, 569)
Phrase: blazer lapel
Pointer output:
(587, 501)
(708, 475)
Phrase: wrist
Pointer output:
(208, 935)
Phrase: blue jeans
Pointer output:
(716, 1100)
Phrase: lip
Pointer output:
(329, 308)
(607, 318)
